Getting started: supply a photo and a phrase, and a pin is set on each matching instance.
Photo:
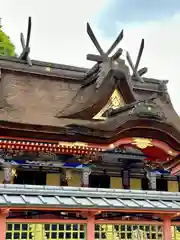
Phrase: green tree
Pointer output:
(6, 46)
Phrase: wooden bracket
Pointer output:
(5, 211)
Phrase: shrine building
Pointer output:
(87, 154)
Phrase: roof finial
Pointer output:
(25, 44)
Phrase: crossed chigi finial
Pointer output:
(137, 73)
(25, 44)
(104, 56)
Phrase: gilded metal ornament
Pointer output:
(142, 143)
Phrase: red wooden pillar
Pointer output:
(3, 215)
(90, 226)
(167, 228)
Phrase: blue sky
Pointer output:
(128, 11)
(59, 31)
(158, 21)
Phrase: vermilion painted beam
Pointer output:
(68, 221)
(81, 147)
(133, 222)
(135, 210)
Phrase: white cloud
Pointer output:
(59, 35)
(58, 27)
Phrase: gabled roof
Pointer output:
(58, 102)
(28, 196)
(40, 68)
(28, 115)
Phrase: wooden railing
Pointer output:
(176, 232)
(45, 231)
(36, 229)
(128, 231)
(76, 229)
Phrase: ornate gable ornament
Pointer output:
(115, 101)
(149, 110)
(142, 143)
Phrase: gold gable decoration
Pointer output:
(142, 143)
(116, 100)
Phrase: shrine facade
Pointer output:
(87, 153)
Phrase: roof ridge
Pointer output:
(45, 64)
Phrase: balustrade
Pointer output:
(73, 231)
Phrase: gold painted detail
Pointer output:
(172, 153)
(116, 100)
(69, 174)
(48, 69)
(142, 143)
(73, 144)
(13, 172)
(38, 231)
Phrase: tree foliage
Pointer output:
(6, 46)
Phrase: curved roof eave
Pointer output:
(89, 100)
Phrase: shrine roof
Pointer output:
(102, 104)
(28, 196)
(43, 68)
